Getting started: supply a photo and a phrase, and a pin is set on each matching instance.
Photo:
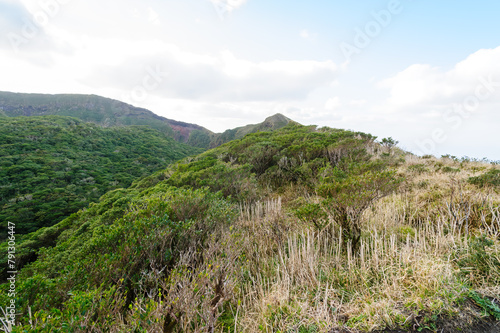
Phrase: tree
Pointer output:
(346, 197)
(389, 143)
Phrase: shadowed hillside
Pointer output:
(52, 166)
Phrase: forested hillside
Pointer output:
(52, 166)
(107, 112)
(99, 110)
(296, 230)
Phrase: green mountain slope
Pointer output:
(91, 108)
(52, 166)
(108, 113)
(274, 122)
(314, 230)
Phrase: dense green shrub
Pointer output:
(489, 178)
(53, 166)
(478, 263)
(151, 237)
(349, 193)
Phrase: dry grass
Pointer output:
(406, 268)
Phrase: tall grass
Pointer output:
(408, 272)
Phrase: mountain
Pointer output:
(297, 229)
(274, 122)
(52, 166)
(95, 109)
(108, 113)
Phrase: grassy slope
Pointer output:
(53, 166)
(172, 258)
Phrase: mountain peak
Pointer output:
(278, 119)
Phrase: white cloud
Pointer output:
(333, 104)
(304, 34)
(357, 103)
(209, 74)
(230, 5)
(214, 78)
(447, 111)
(425, 85)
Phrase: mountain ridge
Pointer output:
(107, 112)
(328, 219)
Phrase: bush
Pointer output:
(348, 195)
(312, 213)
(478, 262)
(487, 179)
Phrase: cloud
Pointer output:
(333, 104)
(153, 16)
(424, 85)
(304, 34)
(357, 103)
(448, 110)
(226, 7)
(13, 19)
(27, 32)
(211, 78)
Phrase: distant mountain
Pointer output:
(95, 109)
(108, 113)
(274, 122)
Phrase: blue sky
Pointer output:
(425, 72)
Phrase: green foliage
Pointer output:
(295, 154)
(53, 166)
(109, 113)
(271, 123)
(487, 305)
(418, 168)
(349, 193)
(477, 263)
(88, 108)
(490, 178)
(312, 212)
(199, 138)
(236, 181)
(449, 169)
(389, 142)
(152, 235)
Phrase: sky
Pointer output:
(426, 73)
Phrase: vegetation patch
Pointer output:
(296, 230)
